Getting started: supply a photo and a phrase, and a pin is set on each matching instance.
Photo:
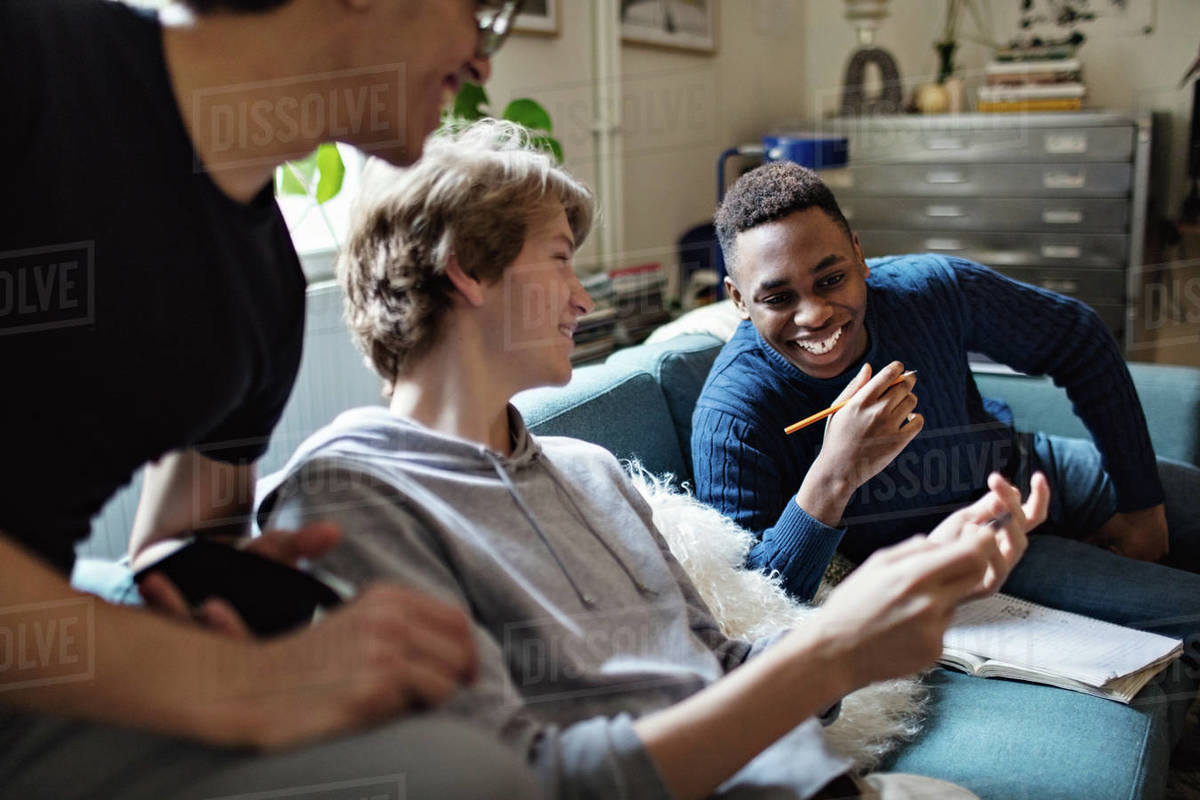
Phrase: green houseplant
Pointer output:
(471, 103)
(319, 176)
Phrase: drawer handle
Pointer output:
(1061, 251)
(946, 176)
(1062, 216)
(1064, 143)
(1064, 180)
(945, 143)
(943, 244)
(1059, 285)
(944, 211)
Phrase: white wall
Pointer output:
(680, 109)
(557, 72)
(1123, 69)
(689, 108)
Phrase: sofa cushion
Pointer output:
(680, 366)
(1009, 741)
(616, 407)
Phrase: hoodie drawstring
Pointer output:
(641, 587)
(584, 597)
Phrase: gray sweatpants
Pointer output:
(425, 756)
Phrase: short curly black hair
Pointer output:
(239, 6)
(768, 193)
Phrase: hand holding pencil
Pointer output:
(869, 424)
(820, 415)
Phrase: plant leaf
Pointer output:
(469, 102)
(550, 145)
(530, 114)
(296, 176)
(332, 172)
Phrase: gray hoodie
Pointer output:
(583, 618)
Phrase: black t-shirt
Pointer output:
(141, 309)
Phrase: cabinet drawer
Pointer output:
(981, 180)
(951, 143)
(988, 214)
(1002, 250)
(1104, 286)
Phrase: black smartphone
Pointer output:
(270, 597)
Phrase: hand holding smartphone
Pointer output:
(271, 597)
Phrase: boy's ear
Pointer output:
(859, 254)
(735, 295)
(467, 285)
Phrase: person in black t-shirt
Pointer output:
(151, 310)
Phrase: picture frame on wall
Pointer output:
(539, 17)
(674, 24)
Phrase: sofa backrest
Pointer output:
(678, 367)
(1170, 397)
(619, 409)
(638, 404)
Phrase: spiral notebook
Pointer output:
(1006, 637)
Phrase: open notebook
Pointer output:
(1005, 637)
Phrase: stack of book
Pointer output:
(639, 296)
(1031, 82)
(595, 337)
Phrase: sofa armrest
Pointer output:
(1170, 396)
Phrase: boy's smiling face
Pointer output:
(801, 281)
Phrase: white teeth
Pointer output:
(821, 348)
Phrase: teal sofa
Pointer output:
(638, 404)
(1003, 740)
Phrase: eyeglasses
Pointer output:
(495, 19)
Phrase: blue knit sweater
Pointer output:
(927, 311)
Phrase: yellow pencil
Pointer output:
(820, 415)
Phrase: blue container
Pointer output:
(809, 149)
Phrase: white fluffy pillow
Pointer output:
(749, 604)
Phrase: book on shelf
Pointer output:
(1048, 52)
(600, 315)
(1006, 637)
(639, 269)
(593, 350)
(1017, 73)
(630, 280)
(1039, 91)
(1066, 104)
(638, 283)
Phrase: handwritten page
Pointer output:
(1014, 631)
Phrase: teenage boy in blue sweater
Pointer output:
(821, 325)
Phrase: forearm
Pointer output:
(108, 663)
(798, 547)
(1039, 332)
(825, 495)
(185, 492)
(699, 743)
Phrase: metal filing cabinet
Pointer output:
(1055, 200)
